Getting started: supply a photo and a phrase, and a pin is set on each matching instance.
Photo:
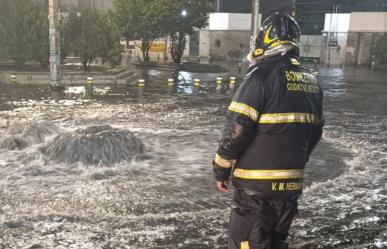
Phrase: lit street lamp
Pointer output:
(184, 13)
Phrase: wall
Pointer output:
(336, 27)
(234, 44)
(337, 23)
(334, 56)
(310, 46)
(231, 31)
(156, 53)
(204, 43)
(364, 29)
(102, 5)
(218, 21)
(240, 22)
(229, 21)
(356, 34)
(359, 48)
(368, 22)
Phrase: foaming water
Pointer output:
(95, 145)
(167, 199)
(348, 211)
(20, 136)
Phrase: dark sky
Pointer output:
(244, 6)
(310, 14)
(303, 6)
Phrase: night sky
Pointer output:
(310, 14)
(244, 6)
(303, 6)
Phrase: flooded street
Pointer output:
(165, 197)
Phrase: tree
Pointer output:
(91, 35)
(112, 51)
(181, 18)
(89, 46)
(379, 49)
(139, 20)
(23, 31)
(126, 17)
(70, 34)
(147, 20)
(40, 41)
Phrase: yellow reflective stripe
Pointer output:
(244, 109)
(245, 245)
(224, 163)
(283, 43)
(280, 118)
(269, 174)
(295, 61)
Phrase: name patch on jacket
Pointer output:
(286, 186)
(301, 82)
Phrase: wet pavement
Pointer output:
(167, 198)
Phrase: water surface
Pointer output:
(169, 200)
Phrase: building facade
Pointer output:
(227, 36)
(348, 39)
(364, 30)
(77, 5)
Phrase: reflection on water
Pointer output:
(167, 199)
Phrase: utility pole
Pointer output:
(294, 8)
(53, 15)
(255, 23)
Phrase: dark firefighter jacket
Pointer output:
(274, 122)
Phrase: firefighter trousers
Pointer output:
(258, 223)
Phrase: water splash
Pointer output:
(95, 145)
(20, 136)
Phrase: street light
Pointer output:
(184, 13)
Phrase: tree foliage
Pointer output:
(91, 35)
(147, 20)
(139, 20)
(181, 18)
(126, 16)
(70, 31)
(23, 32)
(41, 45)
(112, 51)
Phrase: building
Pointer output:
(348, 39)
(334, 39)
(364, 29)
(77, 5)
(227, 37)
(245, 6)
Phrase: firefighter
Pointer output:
(274, 122)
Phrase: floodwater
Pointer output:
(167, 198)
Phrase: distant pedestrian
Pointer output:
(274, 122)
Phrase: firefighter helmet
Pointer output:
(278, 30)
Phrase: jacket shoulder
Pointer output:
(258, 73)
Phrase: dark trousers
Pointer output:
(257, 223)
